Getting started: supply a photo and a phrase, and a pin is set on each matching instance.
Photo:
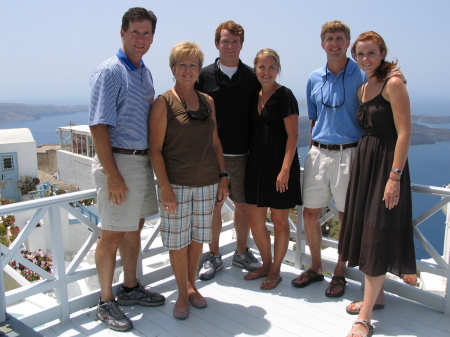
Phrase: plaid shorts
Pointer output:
(193, 218)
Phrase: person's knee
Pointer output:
(311, 216)
(110, 239)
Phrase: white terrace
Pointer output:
(235, 307)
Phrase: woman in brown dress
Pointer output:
(377, 232)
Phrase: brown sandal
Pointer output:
(359, 306)
(366, 324)
(336, 281)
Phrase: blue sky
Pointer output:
(50, 48)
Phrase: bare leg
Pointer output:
(105, 259)
(257, 223)
(339, 270)
(216, 229)
(194, 253)
(373, 287)
(282, 234)
(314, 237)
(179, 262)
(129, 252)
(241, 226)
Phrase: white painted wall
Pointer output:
(22, 142)
(74, 169)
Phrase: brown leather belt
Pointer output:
(334, 147)
(128, 151)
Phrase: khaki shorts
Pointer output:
(326, 176)
(140, 199)
(235, 166)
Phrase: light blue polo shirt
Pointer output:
(335, 125)
(121, 97)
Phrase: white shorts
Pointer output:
(140, 199)
(326, 176)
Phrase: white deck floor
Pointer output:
(239, 308)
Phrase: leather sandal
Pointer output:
(358, 331)
(336, 281)
(358, 306)
(311, 275)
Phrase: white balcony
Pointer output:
(63, 303)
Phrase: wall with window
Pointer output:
(78, 142)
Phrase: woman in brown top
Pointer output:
(187, 158)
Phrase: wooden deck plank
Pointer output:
(239, 308)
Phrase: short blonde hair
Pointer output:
(185, 49)
(334, 27)
(267, 52)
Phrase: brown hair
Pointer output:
(385, 67)
(138, 14)
(185, 49)
(334, 27)
(267, 52)
(234, 29)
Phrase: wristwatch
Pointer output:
(224, 174)
(397, 171)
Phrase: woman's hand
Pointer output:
(168, 200)
(392, 193)
(222, 191)
(282, 181)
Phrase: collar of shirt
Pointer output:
(126, 61)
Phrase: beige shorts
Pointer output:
(140, 199)
(235, 166)
(325, 177)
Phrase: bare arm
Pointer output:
(310, 132)
(157, 132)
(291, 126)
(102, 144)
(397, 95)
(222, 192)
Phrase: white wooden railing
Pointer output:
(63, 276)
(438, 267)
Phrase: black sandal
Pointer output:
(336, 281)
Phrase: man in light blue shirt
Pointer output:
(121, 96)
(335, 132)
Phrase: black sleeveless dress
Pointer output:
(377, 239)
(267, 148)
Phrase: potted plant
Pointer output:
(27, 184)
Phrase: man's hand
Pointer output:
(116, 189)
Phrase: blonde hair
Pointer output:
(333, 27)
(183, 50)
(267, 52)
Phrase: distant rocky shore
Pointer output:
(13, 112)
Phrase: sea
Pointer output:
(429, 165)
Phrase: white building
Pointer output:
(18, 158)
(74, 159)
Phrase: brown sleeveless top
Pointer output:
(188, 145)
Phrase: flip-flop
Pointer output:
(273, 282)
(311, 275)
(253, 275)
(336, 281)
(359, 306)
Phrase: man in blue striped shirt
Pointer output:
(121, 96)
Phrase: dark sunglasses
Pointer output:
(326, 79)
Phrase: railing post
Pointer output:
(2, 296)
(62, 294)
